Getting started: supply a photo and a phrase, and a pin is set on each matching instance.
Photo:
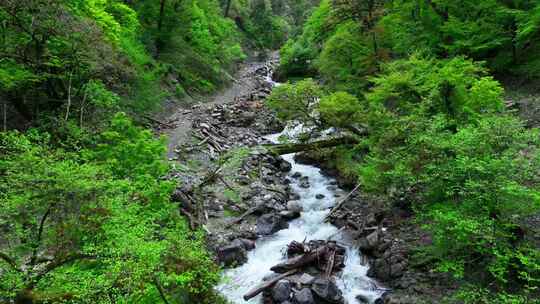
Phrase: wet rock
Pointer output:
(295, 206)
(387, 269)
(370, 242)
(294, 196)
(319, 196)
(281, 291)
(296, 175)
(306, 279)
(248, 244)
(327, 291)
(285, 166)
(290, 215)
(362, 299)
(304, 183)
(233, 254)
(304, 296)
(270, 223)
(371, 220)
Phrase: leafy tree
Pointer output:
(96, 229)
(299, 54)
(297, 102)
(345, 60)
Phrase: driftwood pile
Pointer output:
(212, 136)
(327, 257)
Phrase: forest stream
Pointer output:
(316, 202)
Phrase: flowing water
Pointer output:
(311, 226)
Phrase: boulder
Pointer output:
(304, 184)
(248, 244)
(294, 196)
(296, 175)
(281, 291)
(370, 242)
(295, 206)
(233, 254)
(327, 290)
(270, 223)
(285, 166)
(319, 196)
(362, 299)
(289, 215)
(306, 279)
(387, 269)
(304, 296)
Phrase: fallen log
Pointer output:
(338, 206)
(301, 260)
(270, 283)
(330, 264)
(315, 145)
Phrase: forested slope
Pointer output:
(86, 216)
(416, 83)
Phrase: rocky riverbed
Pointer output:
(246, 198)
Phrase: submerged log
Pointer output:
(320, 144)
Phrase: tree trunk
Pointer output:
(4, 115)
(83, 103)
(300, 261)
(159, 41)
(298, 147)
(69, 97)
(227, 8)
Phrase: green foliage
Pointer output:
(345, 60)
(475, 295)
(298, 54)
(296, 101)
(99, 228)
(436, 137)
(339, 109)
(495, 31)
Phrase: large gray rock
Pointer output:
(390, 266)
(327, 291)
(285, 166)
(233, 254)
(362, 299)
(370, 242)
(306, 279)
(248, 244)
(281, 291)
(289, 215)
(304, 182)
(270, 223)
(295, 206)
(304, 296)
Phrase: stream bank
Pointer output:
(247, 198)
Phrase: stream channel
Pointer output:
(269, 251)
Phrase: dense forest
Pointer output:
(424, 91)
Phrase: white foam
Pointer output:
(310, 226)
